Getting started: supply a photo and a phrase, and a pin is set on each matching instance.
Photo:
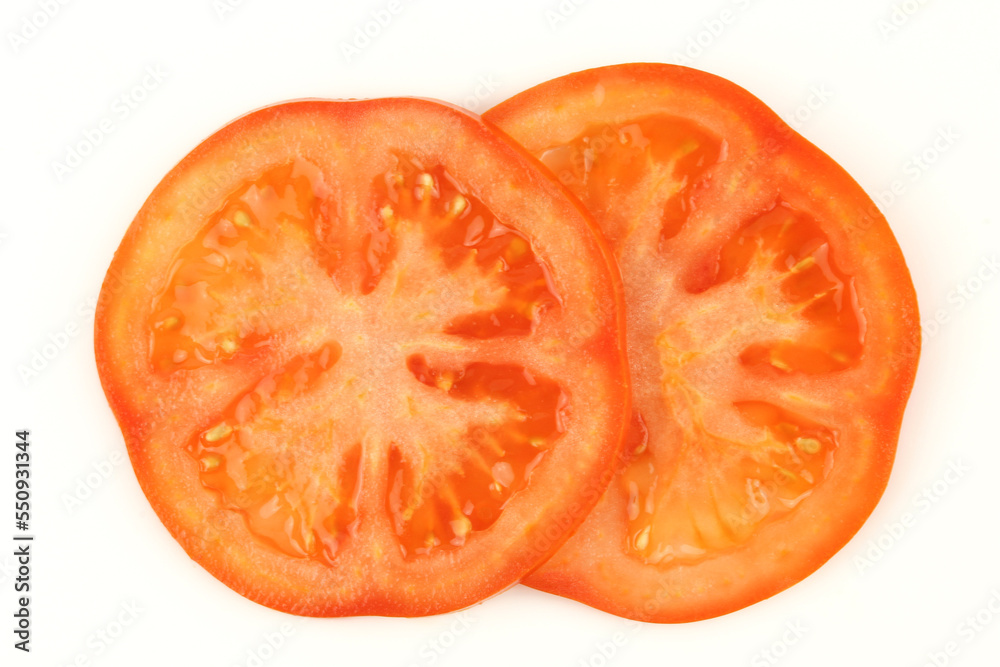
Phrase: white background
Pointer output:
(888, 95)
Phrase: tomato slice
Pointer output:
(772, 333)
(367, 356)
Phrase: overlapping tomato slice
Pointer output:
(772, 335)
(365, 356)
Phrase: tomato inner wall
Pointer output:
(788, 247)
(773, 290)
(290, 505)
(296, 482)
(610, 167)
(193, 323)
(722, 491)
(464, 230)
(434, 511)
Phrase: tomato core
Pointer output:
(242, 456)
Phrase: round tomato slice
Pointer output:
(367, 357)
(773, 338)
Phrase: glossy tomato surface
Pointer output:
(367, 357)
(773, 337)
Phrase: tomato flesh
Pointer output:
(770, 336)
(467, 233)
(720, 491)
(783, 270)
(610, 162)
(501, 455)
(359, 377)
(244, 458)
(282, 504)
(189, 330)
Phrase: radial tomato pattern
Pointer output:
(773, 338)
(367, 357)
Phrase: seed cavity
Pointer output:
(427, 500)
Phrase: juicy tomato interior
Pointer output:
(738, 487)
(805, 319)
(440, 513)
(609, 161)
(468, 234)
(284, 502)
(405, 371)
(748, 341)
(720, 489)
(246, 456)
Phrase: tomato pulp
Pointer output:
(367, 357)
(773, 337)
